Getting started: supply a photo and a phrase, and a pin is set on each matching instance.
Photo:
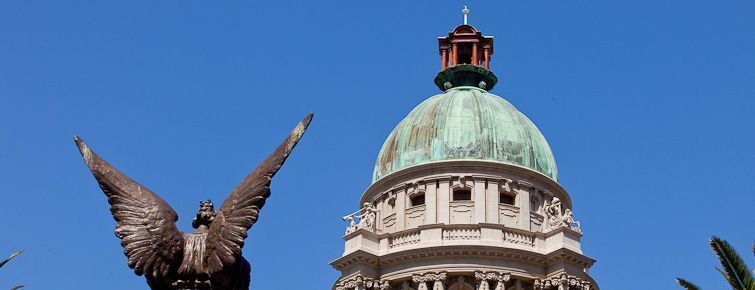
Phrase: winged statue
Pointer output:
(208, 258)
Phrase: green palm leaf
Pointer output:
(17, 287)
(11, 257)
(686, 284)
(734, 268)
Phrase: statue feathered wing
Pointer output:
(145, 223)
(240, 209)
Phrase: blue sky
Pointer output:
(648, 105)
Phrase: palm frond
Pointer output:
(734, 268)
(17, 287)
(686, 284)
(11, 257)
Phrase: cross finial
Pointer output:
(466, 12)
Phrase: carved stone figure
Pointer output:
(557, 219)
(553, 211)
(352, 224)
(368, 216)
(207, 259)
(570, 222)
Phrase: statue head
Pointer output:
(206, 214)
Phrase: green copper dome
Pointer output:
(465, 123)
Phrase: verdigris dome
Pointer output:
(465, 123)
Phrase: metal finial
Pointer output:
(466, 12)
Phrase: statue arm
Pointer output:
(240, 210)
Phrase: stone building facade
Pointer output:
(465, 194)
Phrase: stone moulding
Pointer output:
(561, 255)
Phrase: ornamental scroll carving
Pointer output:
(486, 279)
(562, 282)
(437, 280)
(558, 219)
(360, 282)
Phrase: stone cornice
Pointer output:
(560, 229)
(561, 255)
(357, 257)
(487, 251)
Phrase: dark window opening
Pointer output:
(462, 194)
(465, 53)
(506, 198)
(418, 200)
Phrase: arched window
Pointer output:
(462, 194)
(418, 199)
(506, 198)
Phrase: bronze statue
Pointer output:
(209, 258)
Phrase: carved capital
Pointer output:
(356, 282)
(429, 277)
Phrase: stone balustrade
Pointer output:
(460, 235)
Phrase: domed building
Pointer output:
(465, 194)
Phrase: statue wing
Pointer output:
(240, 209)
(145, 223)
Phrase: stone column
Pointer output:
(401, 208)
(431, 203)
(502, 279)
(475, 60)
(487, 58)
(435, 278)
(454, 54)
(538, 285)
(385, 285)
(482, 283)
(443, 59)
(444, 200)
(438, 285)
(491, 206)
(479, 200)
(405, 285)
(524, 189)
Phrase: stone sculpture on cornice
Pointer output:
(366, 217)
(553, 211)
(557, 219)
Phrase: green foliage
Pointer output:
(686, 284)
(734, 268)
(11, 257)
